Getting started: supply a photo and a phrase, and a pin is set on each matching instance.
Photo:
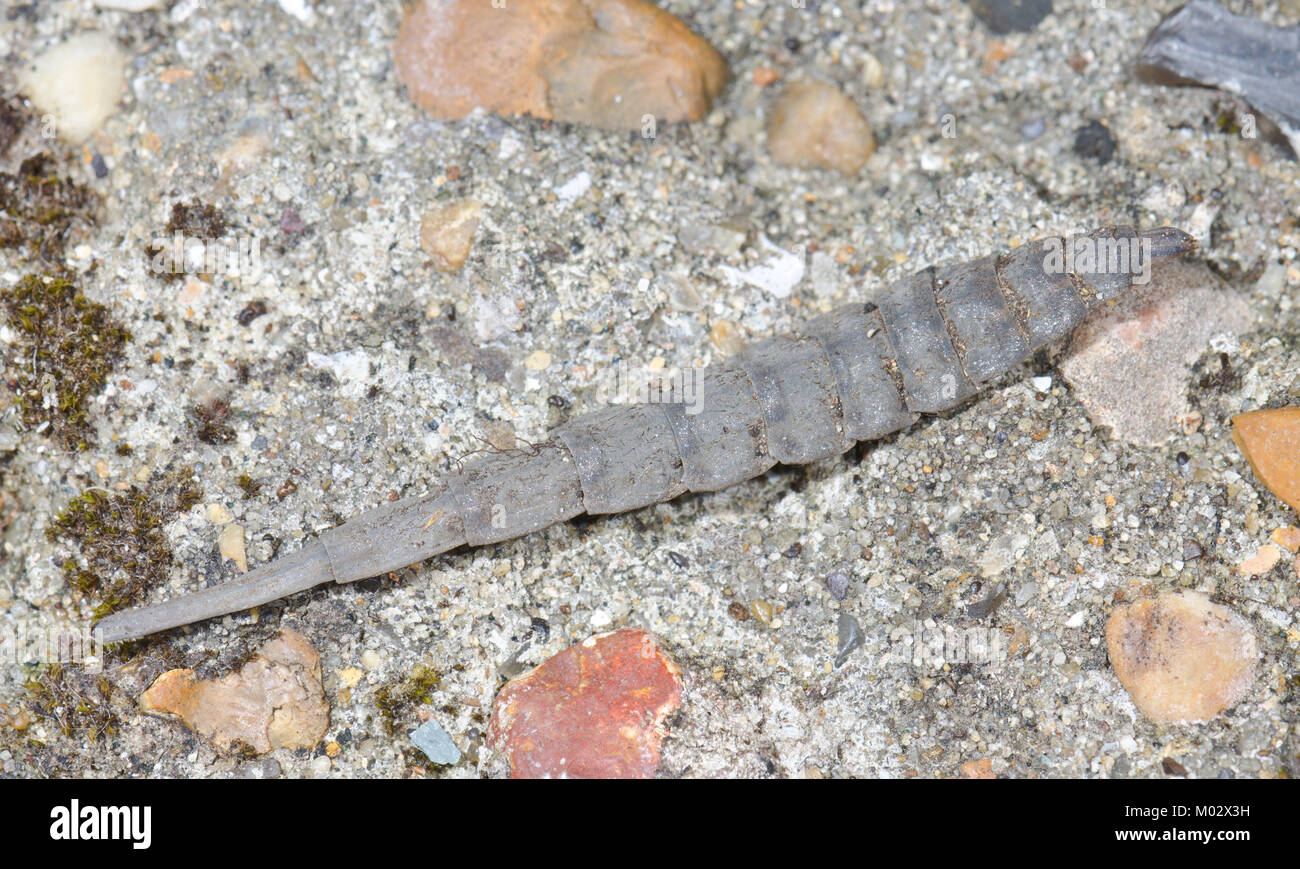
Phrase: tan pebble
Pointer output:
(1261, 562)
(608, 63)
(371, 660)
(762, 611)
(1288, 537)
(765, 75)
(1180, 657)
(101, 468)
(813, 125)
(274, 701)
(538, 360)
(726, 337)
(1270, 441)
(333, 749)
(350, 676)
(231, 546)
(447, 232)
(982, 768)
(217, 514)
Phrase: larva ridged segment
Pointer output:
(397, 534)
(798, 397)
(1112, 272)
(726, 441)
(853, 338)
(933, 379)
(1045, 301)
(627, 457)
(504, 495)
(983, 328)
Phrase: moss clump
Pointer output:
(38, 209)
(124, 552)
(397, 700)
(76, 701)
(250, 486)
(67, 346)
(210, 424)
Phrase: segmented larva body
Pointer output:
(858, 373)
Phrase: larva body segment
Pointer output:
(798, 396)
(871, 397)
(986, 334)
(726, 442)
(857, 373)
(544, 484)
(933, 379)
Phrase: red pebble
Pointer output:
(595, 710)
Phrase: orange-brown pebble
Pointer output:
(274, 701)
(1180, 657)
(1270, 441)
(608, 63)
(595, 710)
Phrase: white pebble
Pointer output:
(1042, 384)
(78, 82)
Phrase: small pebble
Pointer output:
(1093, 140)
(1180, 657)
(762, 610)
(813, 125)
(436, 744)
(838, 584)
(726, 337)
(1262, 562)
(538, 360)
(231, 546)
(1011, 16)
(447, 233)
(274, 701)
(1288, 538)
(1032, 129)
(1270, 441)
(607, 63)
(79, 81)
(850, 637)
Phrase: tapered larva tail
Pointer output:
(926, 344)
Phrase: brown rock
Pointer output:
(607, 63)
(1180, 657)
(1270, 441)
(595, 710)
(447, 232)
(815, 126)
(274, 701)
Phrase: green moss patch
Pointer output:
(124, 551)
(67, 346)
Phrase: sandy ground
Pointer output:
(600, 278)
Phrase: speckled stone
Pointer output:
(595, 710)
(1180, 657)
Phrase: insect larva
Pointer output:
(858, 373)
